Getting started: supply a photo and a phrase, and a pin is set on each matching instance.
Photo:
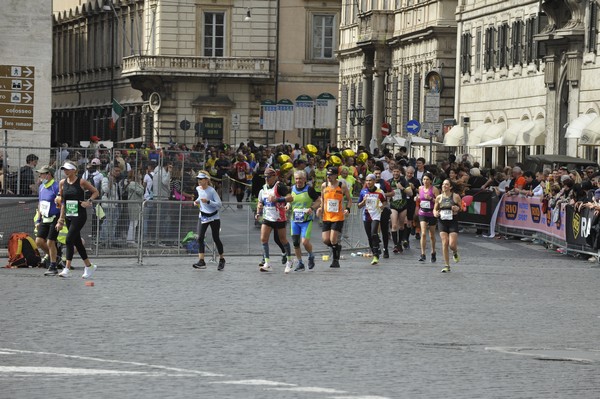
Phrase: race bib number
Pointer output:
(270, 213)
(44, 208)
(241, 175)
(372, 203)
(299, 215)
(333, 206)
(72, 208)
(397, 195)
(426, 204)
(446, 214)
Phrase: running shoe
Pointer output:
(396, 249)
(283, 259)
(456, 257)
(262, 262)
(300, 266)
(88, 271)
(335, 264)
(422, 258)
(405, 244)
(288, 266)
(265, 268)
(417, 236)
(311, 262)
(201, 264)
(52, 271)
(386, 254)
(65, 273)
(446, 269)
(221, 264)
(375, 260)
(433, 257)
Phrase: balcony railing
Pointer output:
(235, 67)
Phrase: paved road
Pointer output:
(401, 329)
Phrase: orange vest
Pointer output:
(333, 203)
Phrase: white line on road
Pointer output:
(69, 370)
(254, 382)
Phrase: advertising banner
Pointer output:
(526, 213)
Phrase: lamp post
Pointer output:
(358, 117)
(109, 7)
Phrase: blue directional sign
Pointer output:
(413, 126)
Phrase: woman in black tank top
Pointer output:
(446, 208)
(73, 213)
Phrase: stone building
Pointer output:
(190, 69)
(526, 79)
(397, 64)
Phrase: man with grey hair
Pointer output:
(306, 201)
(517, 182)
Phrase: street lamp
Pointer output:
(358, 117)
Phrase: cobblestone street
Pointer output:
(397, 330)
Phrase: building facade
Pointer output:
(397, 63)
(192, 69)
(525, 79)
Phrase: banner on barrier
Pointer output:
(583, 231)
(526, 213)
(480, 211)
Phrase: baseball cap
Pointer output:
(68, 166)
(46, 169)
(94, 162)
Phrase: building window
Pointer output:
(465, 56)
(214, 34)
(323, 37)
(503, 46)
(517, 43)
(592, 38)
(489, 48)
(478, 49)
(531, 28)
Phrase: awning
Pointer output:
(515, 130)
(535, 135)
(131, 140)
(576, 126)
(455, 136)
(389, 139)
(492, 132)
(497, 142)
(476, 134)
(421, 141)
(591, 133)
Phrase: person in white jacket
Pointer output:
(209, 203)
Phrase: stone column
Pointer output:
(366, 130)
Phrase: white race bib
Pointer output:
(425, 205)
(44, 208)
(299, 215)
(333, 205)
(241, 175)
(397, 195)
(372, 203)
(446, 214)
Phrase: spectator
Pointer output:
(28, 186)
(112, 187)
(135, 194)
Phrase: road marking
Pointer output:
(273, 385)
(565, 354)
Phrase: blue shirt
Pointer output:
(47, 194)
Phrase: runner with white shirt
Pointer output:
(209, 202)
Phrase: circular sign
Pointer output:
(385, 129)
(185, 125)
(155, 101)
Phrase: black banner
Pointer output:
(481, 210)
(580, 227)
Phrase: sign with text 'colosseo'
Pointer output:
(16, 97)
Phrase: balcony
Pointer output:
(196, 67)
(375, 26)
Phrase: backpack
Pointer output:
(22, 251)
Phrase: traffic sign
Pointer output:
(185, 125)
(235, 121)
(413, 126)
(16, 97)
(385, 129)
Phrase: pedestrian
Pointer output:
(135, 193)
(73, 213)
(306, 200)
(398, 206)
(426, 196)
(447, 206)
(47, 218)
(209, 203)
(333, 213)
(372, 199)
(271, 204)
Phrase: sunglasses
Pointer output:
(267, 176)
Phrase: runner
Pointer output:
(333, 213)
(271, 204)
(426, 197)
(306, 202)
(372, 198)
(209, 203)
(48, 215)
(398, 205)
(447, 206)
(73, 211)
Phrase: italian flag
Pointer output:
(477, 208)
(117, 110)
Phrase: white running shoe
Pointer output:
(66, 272)
(265, 268)
(89, 271)
(289, 265)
